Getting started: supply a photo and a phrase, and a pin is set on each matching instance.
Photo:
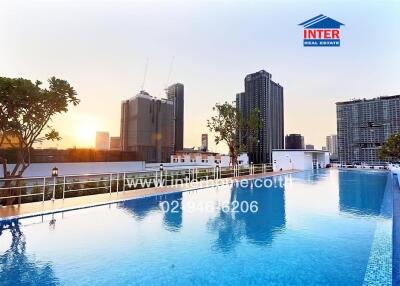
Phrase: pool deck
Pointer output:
(39, 208)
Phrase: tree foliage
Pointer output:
(26, 111)
(391, 149)
(228, 121)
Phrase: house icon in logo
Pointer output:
(321, 31)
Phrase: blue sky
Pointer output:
(101, 47)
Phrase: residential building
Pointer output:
(242, 105)
(115, 143)
(204, 142)
(310, 147)
(190, 157)
(102, 140)
(266, 96)
(364, 125)
(175, 93)
(332, 146)
(294, 141)
(147, 127)
(195, 156)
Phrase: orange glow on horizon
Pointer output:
(85, 135)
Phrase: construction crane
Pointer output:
(145, 73)
(169, 73)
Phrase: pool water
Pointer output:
(325, 227)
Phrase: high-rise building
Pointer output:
(115, 143)
(175, 93)
(147, 126)
(242, 106)
(331, 146)
(309, 147)
(204, 142)
(294, 141)
(102, 140)
(266, 96)
(364, 125)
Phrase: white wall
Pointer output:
(299, 160)
(288, 160)
(226, 160)
(281, 160)
(327, 159)
(184, 165)
(244, 158)
(44, 169)
(308, 161)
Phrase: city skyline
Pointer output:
(105, 60)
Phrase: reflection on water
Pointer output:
(140, 208)
(16, 267)
(172, 220)
(312, 177)
(359, 194)
(257, 227)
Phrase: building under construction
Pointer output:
(147, 127)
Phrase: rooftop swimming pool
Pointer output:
(325, 227)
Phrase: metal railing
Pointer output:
(35, 189)
(361, 166)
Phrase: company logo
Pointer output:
(321, 31)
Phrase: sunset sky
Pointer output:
(101, 47)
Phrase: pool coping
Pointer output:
(49, 207)
(379, 270)
(396, 231)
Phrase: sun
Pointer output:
(85, 135)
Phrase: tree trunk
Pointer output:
(15, 174)
(7, 184)
(233, 155)
(4, 163)
(4, 184)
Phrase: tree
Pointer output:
(391, 149)
(26, 111)
(228, 122)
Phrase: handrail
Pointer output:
(87, 184)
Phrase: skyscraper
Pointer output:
(364, 125)
(175, 93)
(331, 146)
(241, 106)
(263, 94)
(115, 143)
(294, 141)
(147, 125)
(102, 140)
(204, 142)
